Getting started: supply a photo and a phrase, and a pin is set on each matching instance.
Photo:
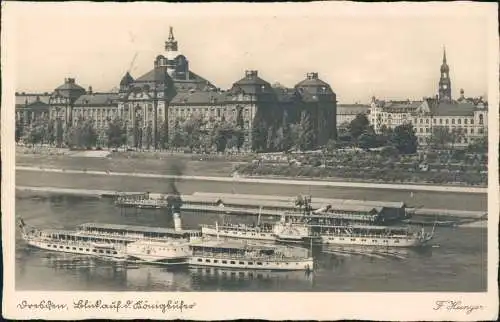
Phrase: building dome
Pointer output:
(314, 87)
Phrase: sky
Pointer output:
(360, 50)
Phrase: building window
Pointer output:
(481, 131)
(481, 120)
(434, 121)
(459, 121)
(421, 121)
(452, 121)
(447, 121)
(471, 131)
(472, 121)
(440, 121)
(427, 121)
(421, 130)
(426, 130)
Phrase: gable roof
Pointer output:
(97, 99)
(25, 99)
(353, 109)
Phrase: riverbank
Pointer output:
(265, 181)
(194, 165)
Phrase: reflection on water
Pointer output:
(459, 264)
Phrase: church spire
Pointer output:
(171, 34)
(171, 43)
(444, 81)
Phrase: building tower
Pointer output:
(444, 80)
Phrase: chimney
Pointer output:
(251, 73)
(90, 90)
(312, 75)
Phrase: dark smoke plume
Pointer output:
(176, 168)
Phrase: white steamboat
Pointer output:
(356, 225)
(242, 255)
(134, 243)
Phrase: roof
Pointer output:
(252, 84)
(158, 74)
(353, 109)
(126, 79)
(402, 105)
(285, 95)
(142, 229)
(97, 99)
(231, 244)
(38, 105)
(69, 89)
(198, 97)
(291, 200)
(453, 109)
(24, 99)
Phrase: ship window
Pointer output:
(61, 247)
(250, 263)
(207, 260)
(94, 250)
(224, 262)
(241, 263)
(233, 262)
(374, 241)
(108, 252)
(396, 241)
(262, 234)
(216, 261)
(259, 263)
(353, 239)
(74, 248)
(363, 239)
(67, 247)
(80, 248)
(101, 251)
(286, 263)
(88, 250)
(341, 238)
(200, 260)
(386, 241)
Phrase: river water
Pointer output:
(456, 263)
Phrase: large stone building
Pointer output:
(159, 102)
(464, 118)
(348, 112)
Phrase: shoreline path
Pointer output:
(389, 186)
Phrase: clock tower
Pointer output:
(444, 81)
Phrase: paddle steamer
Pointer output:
(328, 226)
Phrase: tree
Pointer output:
(149, 136)
(177, 138)
(192, 128)
(306, 133)
(19, 131)
(456, 136)
(163, 135)
(367, 141)
(359, 125)
(440, 137)
(331, 146)
(404, 139)
(59, 133)
(50, 132)
(116, 133)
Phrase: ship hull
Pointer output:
(76, 248)
(252, 264)
(371, 241)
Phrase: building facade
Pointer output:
(465, 119)
(155, 105)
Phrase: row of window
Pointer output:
(100, 251)
(458, 121)
(216, 261)
(464, 130)
(396, 241)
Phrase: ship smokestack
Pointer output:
(177, 221)
(174, 197)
